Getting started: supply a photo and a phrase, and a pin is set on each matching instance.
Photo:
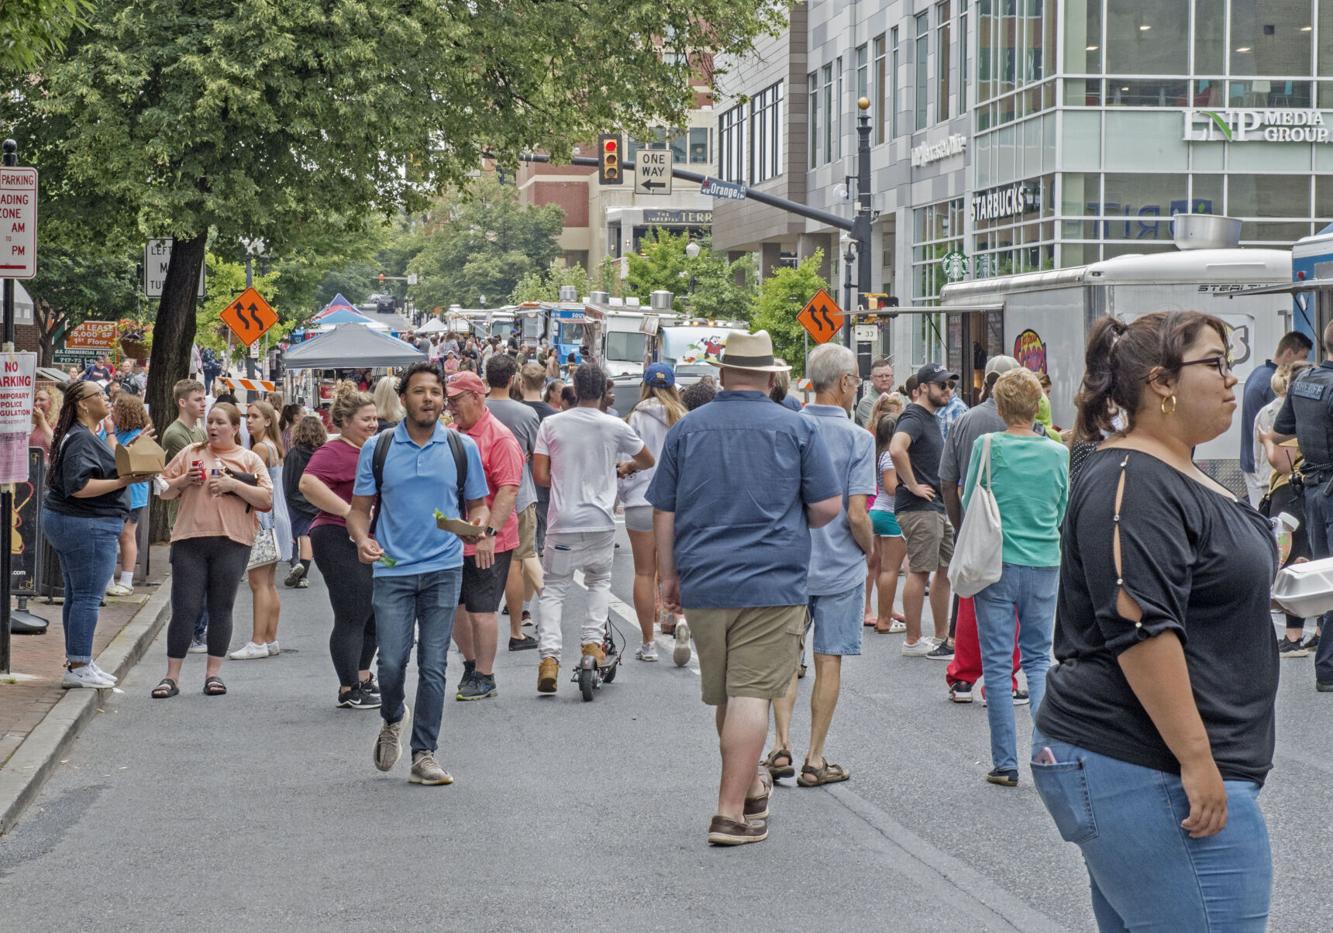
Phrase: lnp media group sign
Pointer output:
(1253, 125)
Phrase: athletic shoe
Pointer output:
(388, 744)
(469, 671)
(1022, 697)
(426, 770)
(1005, 778)
(548, 671)
(681, 652)
(921, 649)
(941, 652)
(249, 652)
(960, 691)
(370, 691)
(725, 832)
(274, 649)
(198, 647)
(304, 584)
(348, 700)
(524, 643)
(84, 676)
(119, 589)
(527, 617)
(295, 577)
(480, 687)
(1324, 686)
(1286, 648)
(1312, 642)
(647, 651)
(92, 665)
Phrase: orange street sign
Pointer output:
(821, 317)
(249, 316)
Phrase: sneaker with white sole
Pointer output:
(388, 744)
(198, 646)
(84, 676)
(681, 652)
(943, 651)
(426, 770)
(920, 649)
(647, 651)
(103, 674)
(249, 652)
(273, 649)
(119, 589)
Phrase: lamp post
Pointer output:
(691, 253)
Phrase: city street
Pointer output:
(263, 810)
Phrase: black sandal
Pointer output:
(214, 687)
(165, 689)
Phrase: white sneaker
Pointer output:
(85, 676)
(117, 589)
(923, 647)
(647, 652)
(101, 673)
(681, 652)
(198, 647)
(273, 649)
(249, 652)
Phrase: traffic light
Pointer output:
(608, 167)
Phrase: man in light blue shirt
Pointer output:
(838, 551)
(418, 566)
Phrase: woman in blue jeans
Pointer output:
(83, 514)
(1029, 476)
(1156, 733)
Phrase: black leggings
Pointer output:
(205, 572)
(350, 583)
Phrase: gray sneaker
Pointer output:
(388, 744)
(480, 687)
(680, 652)
(426, 770)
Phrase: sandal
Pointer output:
(214, 687)
(777, 770)
(165, 689)
(896, 627)
(828, 774)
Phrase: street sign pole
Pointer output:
(11, 159)
(864, 215)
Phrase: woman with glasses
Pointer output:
(1157, 729)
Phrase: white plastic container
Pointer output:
(1305, 589)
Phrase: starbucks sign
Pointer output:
(1252, 125)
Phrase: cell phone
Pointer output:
(1044, 757)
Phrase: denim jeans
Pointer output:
(87, 549)
(1146, 871)
(1030, 593)
(592, 552)
(1319, 532)
(423, 604)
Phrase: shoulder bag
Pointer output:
(978, 557)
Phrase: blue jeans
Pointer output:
(423, 603)
(1030, 593)
(87, 549)
(1146, 871)
(1319, 532)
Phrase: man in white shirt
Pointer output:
(579, 454)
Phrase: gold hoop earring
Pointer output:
(1172, 409)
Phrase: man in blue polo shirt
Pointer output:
(418, 566)
(740, 483)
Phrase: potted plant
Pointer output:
(133, 338)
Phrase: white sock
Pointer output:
(127, 578)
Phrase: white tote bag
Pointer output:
(978, 556)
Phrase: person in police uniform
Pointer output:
(1307, 415)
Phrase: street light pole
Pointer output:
(253, 247)
(691, 254)
(864, 215)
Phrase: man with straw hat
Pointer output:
(740, 483)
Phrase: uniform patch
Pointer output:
(1310, 390)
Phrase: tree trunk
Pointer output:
(173, 335)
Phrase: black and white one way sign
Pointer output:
(652, 171)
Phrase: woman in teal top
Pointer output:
(1029, 475)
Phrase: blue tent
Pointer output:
(345, 316)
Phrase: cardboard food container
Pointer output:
(1305, 589)
(142, 458)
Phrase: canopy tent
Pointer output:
(352, 346)
(433, 326)
(347, 316)
(339, 303)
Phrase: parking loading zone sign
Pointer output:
(18, 223)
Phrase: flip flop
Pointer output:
(828, 774)
(214, 687)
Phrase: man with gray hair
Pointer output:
(838, 551)
(881, 383)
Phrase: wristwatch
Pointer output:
(489, 532)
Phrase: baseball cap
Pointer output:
(933, 372)
(1001, 364)
(466, 382)
(659, 374)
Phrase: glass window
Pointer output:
(680, 147)
(1325, 39)
(1135, 205)
(1268, 195)
(827, 105)
(862, 71)
(1210, 92)
(962, 57)
(1147, 92)
(922, 68)
(882, 102)
(1323, 196)
(1284, 233)
(1083, 37)
(1210, 36)
(1265, 92)
(1206, 194)
(892, 99)
(813, 128)
(699, 145)
(1147, 37)
(1271, 37)
(943, 66)
(839, 105)
(985, 53)
(1083, 92)
(731, 144)
(766, 134)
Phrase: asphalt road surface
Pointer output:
(263, 811)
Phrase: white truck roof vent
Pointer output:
(599, 298)
(1205, 231)
(660, 300)
(569, 293)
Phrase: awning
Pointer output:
(352, 346)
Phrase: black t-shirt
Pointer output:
(1196, 563)
(927, 447)
(542, 409)
(85, 456)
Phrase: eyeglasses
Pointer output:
(1220, 363)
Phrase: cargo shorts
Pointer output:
(750, 652)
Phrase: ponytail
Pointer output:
(69, 416)
(1094, 403)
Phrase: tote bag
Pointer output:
(265, 549)
(978, 557)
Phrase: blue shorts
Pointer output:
(838, 622)
(885, 524)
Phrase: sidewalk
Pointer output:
(37, 716)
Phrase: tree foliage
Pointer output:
(780, 299)
(30, 30)
(705, 286)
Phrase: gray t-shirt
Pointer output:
(522, 422)
(984, 419)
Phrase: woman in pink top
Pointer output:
(221, 487)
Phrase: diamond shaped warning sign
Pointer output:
(821, 317)
(249, 316)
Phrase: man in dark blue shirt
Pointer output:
(739, 485)
(1292, 348)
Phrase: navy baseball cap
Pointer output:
(659, 374)
(934, 372)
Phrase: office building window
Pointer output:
(730, 144)
(1271, 38)
(766, 134)
(812, 108)
(943, 64)
(882, 103)
(893, 85)
(922, 63)
(862, 71)
(962, 56)
(828, 106)
(839, 107)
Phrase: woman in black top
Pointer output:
(84, 512)
(1156, 732)
(308, 435)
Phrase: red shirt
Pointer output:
(502, 461)
(334, 464)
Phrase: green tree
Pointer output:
(30, 30)
(544, 285)
(78, 280)
(705, 286)
(781, 297)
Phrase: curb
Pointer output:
(29, 766)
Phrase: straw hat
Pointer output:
(750, 352)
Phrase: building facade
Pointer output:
(1035, 134)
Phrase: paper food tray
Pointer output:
(1305, 589)
(456, 526)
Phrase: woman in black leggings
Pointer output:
(327, 485)
(221, 487)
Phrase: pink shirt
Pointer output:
(334, 465)
(502, 461)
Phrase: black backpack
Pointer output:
(381, 454)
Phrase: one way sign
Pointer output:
(652, 171)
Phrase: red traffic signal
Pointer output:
(608, 165)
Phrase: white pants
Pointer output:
(1253, 488)
(593, 553)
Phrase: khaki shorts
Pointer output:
(929, 540)
(527, 533)
(749, 652)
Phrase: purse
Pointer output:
(265, 549)
(978, 556)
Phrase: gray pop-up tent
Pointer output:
(352, 346)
